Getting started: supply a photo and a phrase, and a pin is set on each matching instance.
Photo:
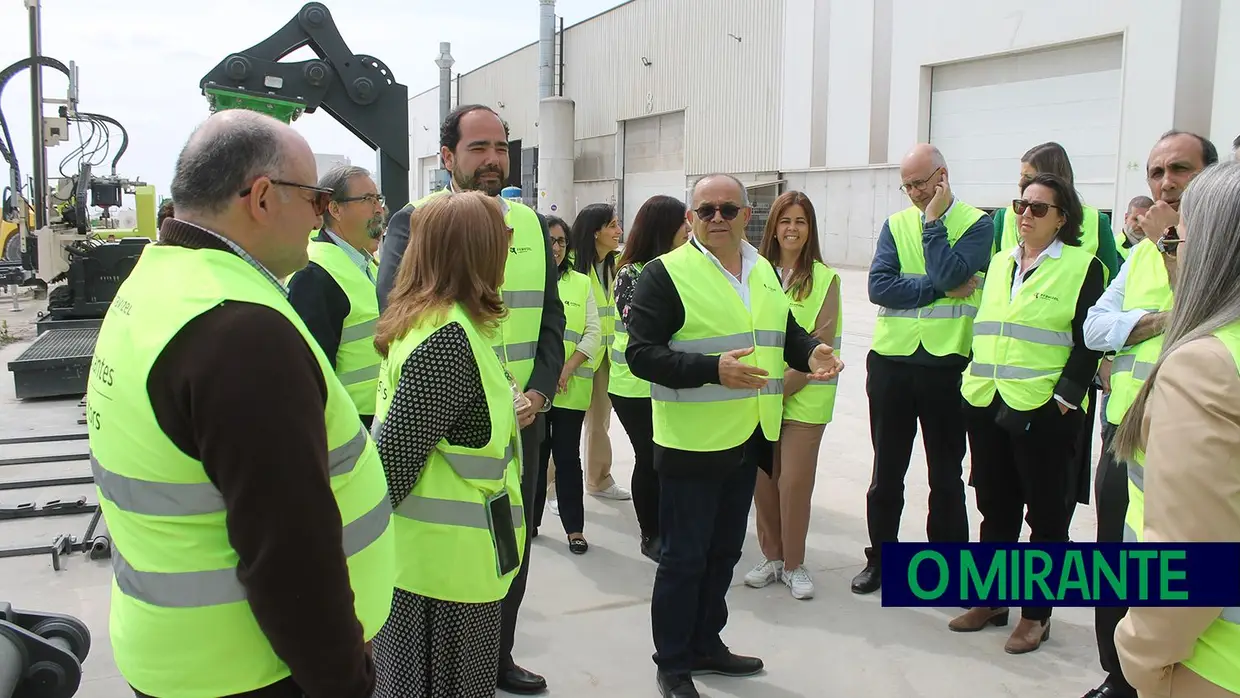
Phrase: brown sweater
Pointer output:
(239, 389)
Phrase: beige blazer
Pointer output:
(1191, 427)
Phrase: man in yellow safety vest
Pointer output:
(1127, 322)
(473, 144)
(335, 293)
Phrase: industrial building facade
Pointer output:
(825, 96)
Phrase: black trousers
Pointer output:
(1023, 473)
(531, 439)
(703, 524)
(902, 395)
(1111, 495)
(563, 440)
(638, 422)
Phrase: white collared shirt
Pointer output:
(1053, 251)
(749, 257)
(360, 258)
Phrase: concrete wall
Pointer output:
(1225, 119)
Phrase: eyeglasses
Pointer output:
(322, 196)
(559, 241)
(707, 212)
(906, 188)
(372, 199)
(1037, 208)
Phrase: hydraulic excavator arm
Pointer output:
(359, 91)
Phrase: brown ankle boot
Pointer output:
(977, 618)
(1028, 636)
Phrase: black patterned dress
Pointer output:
(431, 648)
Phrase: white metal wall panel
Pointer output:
(730, 89)
(509, 86)
(984, 114)
(654, 161)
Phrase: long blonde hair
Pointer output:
(1207, 293)
(458, 246)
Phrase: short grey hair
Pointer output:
(715, 175)
(337, 179)
(220, 160)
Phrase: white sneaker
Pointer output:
(554, 507)
(614, 492)
(763, 573)
(799, 582)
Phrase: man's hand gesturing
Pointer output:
(734, 374)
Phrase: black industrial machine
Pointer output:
(41, 654)
(358, 90)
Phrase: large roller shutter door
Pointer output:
(985, 113)
(654, 160)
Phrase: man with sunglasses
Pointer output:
(711, 329)
(1127, 323)
(247, 506)
(335, 293)
(473, 142)
(925, 279)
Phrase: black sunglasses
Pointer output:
(322, 195)
(729, 212)
(1037, 208)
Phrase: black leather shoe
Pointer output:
(516, 680)
(868, 580)
(676, 686)
(651, 548)
(727, 664)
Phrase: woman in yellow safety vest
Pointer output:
(1181, 439)
(583, 343)
(1097, 239)
(1025, 387)
(596, 237)
(446, 429)
(782, 499)
(660, 226)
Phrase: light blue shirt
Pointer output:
(360, 258)
(1108, 325)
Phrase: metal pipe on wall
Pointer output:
(546, 48)
(39, 169)
(445, 63)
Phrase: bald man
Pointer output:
(247, 505)
(925, 281)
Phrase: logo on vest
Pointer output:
(1046, 297)
(519, 250)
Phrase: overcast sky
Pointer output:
(140, 61)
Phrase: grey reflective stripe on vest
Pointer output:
(572, 336)
(1231, 614)
(718, 345)
(619, 326)
(1008, 372)
(584, 372)
(519, 351)
(1141, 371)
(1025, 333)
(1123, 362)
(473, 467)
(360, 375)
(149, 498)
(1130, 536)
(449, 512)
(1136, 475)
(930, 312)
(217, 587)
(714, 393)
(360, 331)
(617, 357)
(607, 311)
(523, 299)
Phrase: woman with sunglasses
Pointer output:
(659, 227)
(782, 499)
(1025, 389)
(583, 341)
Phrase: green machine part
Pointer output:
(144, 200)
(281, 109)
